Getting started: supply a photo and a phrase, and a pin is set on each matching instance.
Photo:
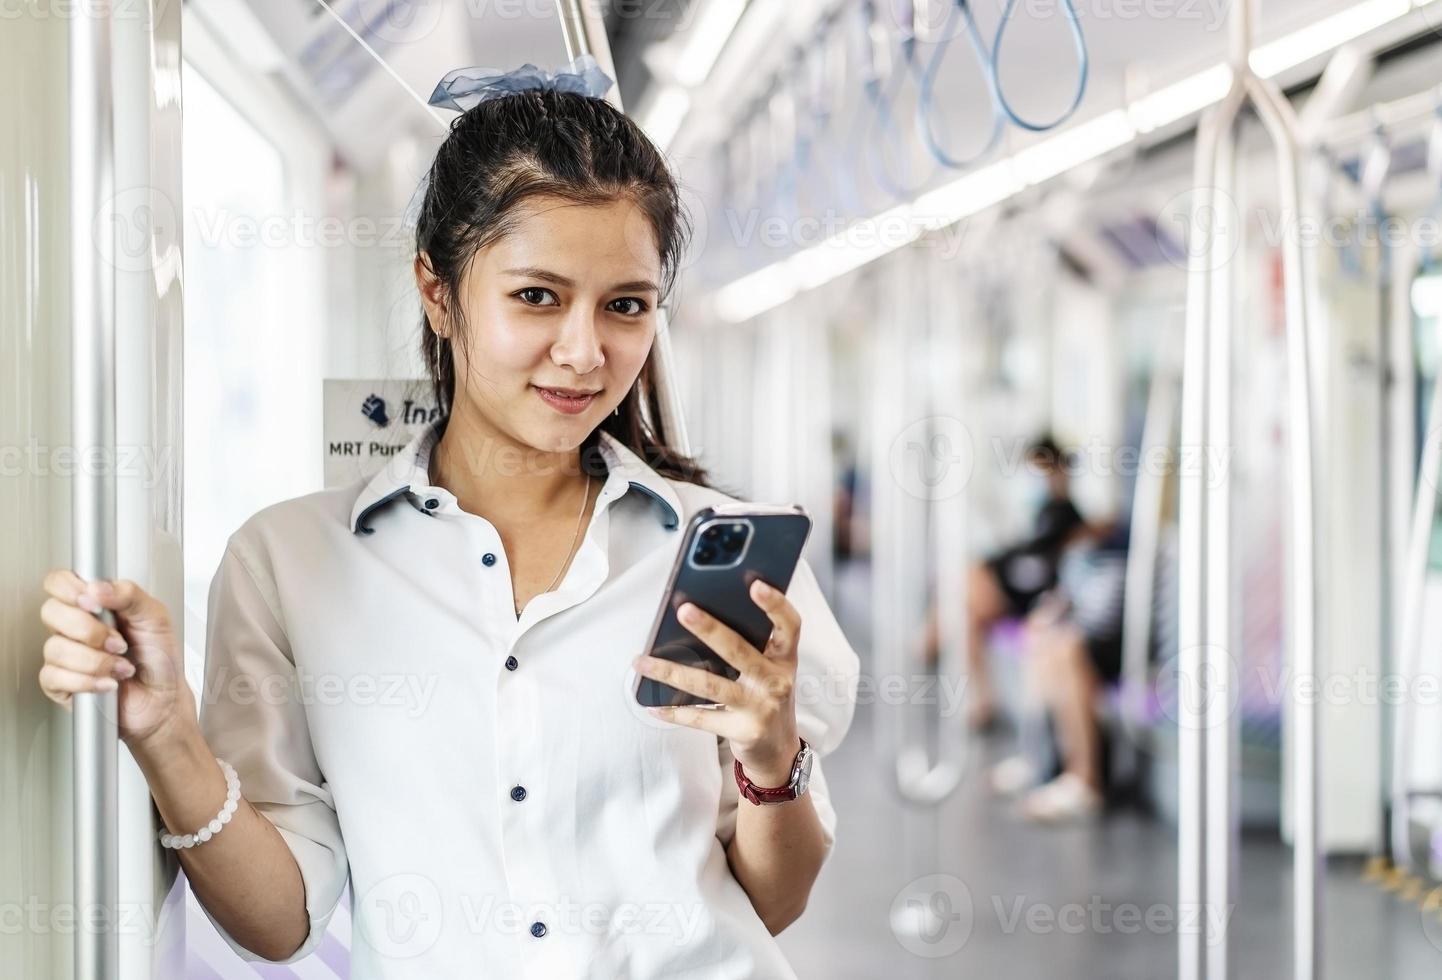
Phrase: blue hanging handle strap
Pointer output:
(1084, 67)
(926, 86)
(881, 95)
(789, 164)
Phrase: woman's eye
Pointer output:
(536, 296)
(628, 306)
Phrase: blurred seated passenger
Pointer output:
(1074, 651)
(1009, 584)
(848, 519)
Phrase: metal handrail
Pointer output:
(1144, 539)
(1409, 649)
(584, 32)
(92, 314)
(1208, 822)
(896, 520)
(1409, 637)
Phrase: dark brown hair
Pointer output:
(543, 142)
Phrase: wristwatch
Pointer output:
(795, 786)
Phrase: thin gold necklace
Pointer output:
(575, 535)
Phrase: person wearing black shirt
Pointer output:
(1009, 584)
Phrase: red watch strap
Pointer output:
(766, 794)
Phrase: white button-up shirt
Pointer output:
(502, 805)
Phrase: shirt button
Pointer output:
(512, 663)
(518, 793)
(538, 929)
(432, 503)
(488, 559)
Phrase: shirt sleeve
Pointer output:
(827, 673)
(253, 716)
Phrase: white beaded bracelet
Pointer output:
(232, 801)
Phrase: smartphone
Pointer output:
(724, 550)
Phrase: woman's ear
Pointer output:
(433, 293)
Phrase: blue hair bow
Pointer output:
(466, 88)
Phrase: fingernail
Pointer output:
(106, 684)
(115, 644)
(762, 589)
(688, 613)
(123, 669)
(102, 589)
(87, 602)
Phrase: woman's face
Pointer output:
(559, 315)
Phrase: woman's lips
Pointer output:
(567, 404)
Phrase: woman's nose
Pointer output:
(578, 346)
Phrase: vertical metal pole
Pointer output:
(1220, 666)
(584, 32)
(92, 313)
(1193, 546)
(1146, 525)
(1409, 631)
(1276, 114)
(1191, 552)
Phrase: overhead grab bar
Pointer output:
(1083, 69)
(1207, 819)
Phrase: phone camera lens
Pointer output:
(705, 555)
(733, 537)
(711, 532)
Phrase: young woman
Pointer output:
(424, 681)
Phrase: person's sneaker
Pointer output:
(1066, 799)
(1011, 776)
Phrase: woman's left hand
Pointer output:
(759, 718)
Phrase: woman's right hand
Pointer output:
(142, 655)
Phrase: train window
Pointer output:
(253, 340)
(236, 370)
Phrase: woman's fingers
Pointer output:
(137, 607)
(727, 724)
(692, 680)
(60, 684)
(82, 659)
(64, 584)
(76, 624)
(785, 620)
(726, 642)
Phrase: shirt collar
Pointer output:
(407, 475)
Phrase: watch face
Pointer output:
(802, 779)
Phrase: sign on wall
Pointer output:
(369, 421)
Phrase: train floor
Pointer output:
(1012, 900)
(1022, 902)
